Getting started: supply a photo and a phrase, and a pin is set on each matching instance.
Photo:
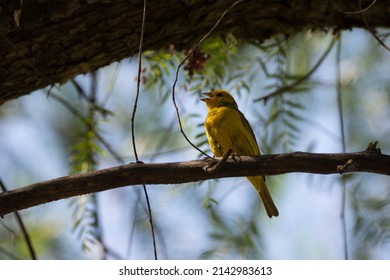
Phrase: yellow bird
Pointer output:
(227, 128)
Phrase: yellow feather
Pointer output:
(227, 128)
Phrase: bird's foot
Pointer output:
(236, 157)
(216, 164)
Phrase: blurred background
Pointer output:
(341, 83)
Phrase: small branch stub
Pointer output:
(348, 165)
(372, 148)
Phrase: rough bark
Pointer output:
(370, 160)
(45, 42)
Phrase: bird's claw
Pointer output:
(236, 157)
(216, 164)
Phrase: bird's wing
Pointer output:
(214, 145)
(249, 134)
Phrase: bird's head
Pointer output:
(219, 98)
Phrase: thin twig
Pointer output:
(369, 28)
(163, 139)
(138, 84)
(215, 166)
(375, 36)
(92, 128)
(109, 90)
(341, 119)
(23, 229)
(361, 10)
(98, 136)
(302, 79)
(79, 89)
(181, 64)
(133, 123)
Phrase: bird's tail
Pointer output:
(259, 183)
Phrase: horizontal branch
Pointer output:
(370, 160)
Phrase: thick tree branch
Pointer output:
(370, 160)
(43, 42)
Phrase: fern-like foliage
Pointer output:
(285, 111)
(371, 220)
(239, 237)
(84, 208)
(158, 70)
(83, 159)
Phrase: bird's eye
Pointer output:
(219, 94)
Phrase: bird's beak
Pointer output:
(208, 94)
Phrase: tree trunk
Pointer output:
(46, 42)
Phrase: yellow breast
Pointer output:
(226, 130)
